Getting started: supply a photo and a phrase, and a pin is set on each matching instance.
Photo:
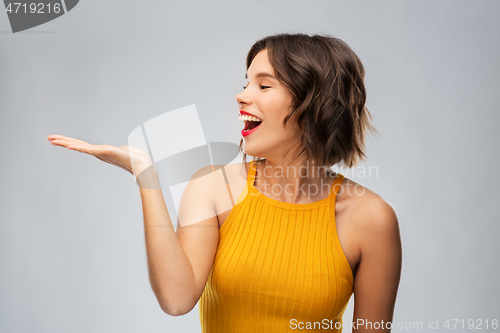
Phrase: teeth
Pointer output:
(249, 118)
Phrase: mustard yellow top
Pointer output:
(279, 267)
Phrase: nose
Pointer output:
(243, 99)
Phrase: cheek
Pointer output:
(278, 117)
(286, 133)
(276, 108)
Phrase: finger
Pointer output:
(62, 137)
(87, 148)
(64, 143)
(65, 138)
(103, 151)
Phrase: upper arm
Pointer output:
(378, 274)
(198, 227)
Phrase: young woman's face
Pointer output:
(268, 99)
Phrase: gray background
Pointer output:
(72, 254)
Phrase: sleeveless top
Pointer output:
(279, 267)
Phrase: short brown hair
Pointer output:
(325, 78)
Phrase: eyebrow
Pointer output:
(261, 74)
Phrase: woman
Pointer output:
(300, 239)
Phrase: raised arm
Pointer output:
(178, 266)
(378, 274)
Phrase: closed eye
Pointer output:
(261, 87)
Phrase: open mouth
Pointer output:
(251, 122)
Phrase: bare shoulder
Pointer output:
(377, 249)
(213, 179)
(234, 177)
(236, 169)
(213, 174)
(202, 179)
(366, 211)
(216, 172)
(197, 203)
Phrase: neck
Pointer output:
(299, 182)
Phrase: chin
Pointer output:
(253, 152)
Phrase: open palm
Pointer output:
(132, 159)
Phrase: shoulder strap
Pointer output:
(336, 186)
(251, 174)
(250, 181)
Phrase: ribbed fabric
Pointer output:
(277, 265)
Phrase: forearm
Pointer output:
(170, 272)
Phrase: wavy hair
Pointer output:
(326, 80)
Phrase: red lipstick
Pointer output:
(248, 114)
(248, 132)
